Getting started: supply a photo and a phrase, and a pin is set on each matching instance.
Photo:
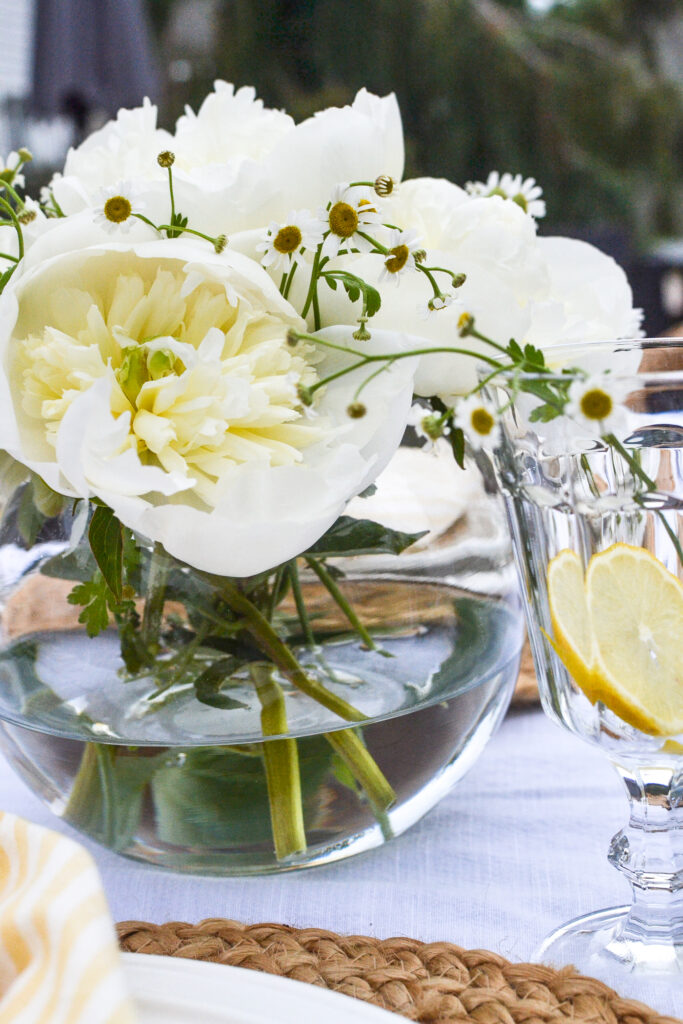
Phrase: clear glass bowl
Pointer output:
(137, 763)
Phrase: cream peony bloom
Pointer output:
(156, 377)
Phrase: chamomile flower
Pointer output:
(118, 203)
(400, 258)
(433, 305)
(478, 421)
(427, 425)
(596, 403)
(352, 209)
(283, 243)
(523, 191)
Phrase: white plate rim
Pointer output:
(159, 983)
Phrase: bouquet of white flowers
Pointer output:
(210, 342)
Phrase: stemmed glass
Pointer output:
(573, 502)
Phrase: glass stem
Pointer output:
(649, 852)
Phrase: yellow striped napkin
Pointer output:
(59, 961)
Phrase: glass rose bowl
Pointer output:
(597, 521)
(182, 761)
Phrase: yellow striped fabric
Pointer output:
(59, 960)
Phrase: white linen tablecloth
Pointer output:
(516, 849)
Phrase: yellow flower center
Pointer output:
(482, 421)
(520, 199)
(343, 220)
(117, 209)
(596, 404)
(288, 239)
(398, 257)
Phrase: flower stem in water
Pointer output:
(366, 772)
(280, 654)
(330, 584)
(156, 595)
(281, 760)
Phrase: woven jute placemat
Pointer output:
(433, 982)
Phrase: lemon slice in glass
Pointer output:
(635, 608)
(620, 633)
(573, 639)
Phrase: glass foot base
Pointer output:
(594, 945)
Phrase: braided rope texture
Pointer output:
(435, 982)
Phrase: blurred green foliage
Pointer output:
(584, 98)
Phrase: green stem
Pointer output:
(281, 656)
(170, 189)
(365, 770)
(186, 231)
(156, 595)
(382, 249)
(55, 206)
(289, 279)
(281, 762)
(487, 341)
(633, 465)
(8, 256)
(590, 479)
(640, 473)
(329, 582)
(362, 386)
(104, 757)
(5, 185)
(16, 225)
(313, 286)
(301, 611)
(275, 596)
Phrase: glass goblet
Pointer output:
(597, 528)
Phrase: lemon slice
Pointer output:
(620, 633)
(635, 609)
(569, 615)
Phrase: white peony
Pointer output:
(155, 376)
(490, 240)
(541, 290)
(239, 165)
(588, 299)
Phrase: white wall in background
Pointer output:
(16, 18)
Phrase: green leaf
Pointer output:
(355, 286)
(106, 797)
(544, 413)
(373, 300)
(94, 596)
(457, 439)
(361, 537)
(106, 541)
(208, 685)
(534, 356)
(219, 795)
(514, 351)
